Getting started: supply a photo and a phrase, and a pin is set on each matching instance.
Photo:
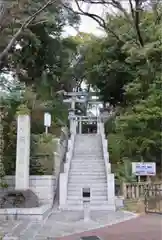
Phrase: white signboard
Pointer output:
(144, 169)
(47, 119)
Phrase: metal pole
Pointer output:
(86, 208)
(73, 103)
(46, 130)
(80, 125)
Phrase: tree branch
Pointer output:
(115, 3)
(24, 25)
(95, 17)
(155, 4)
(135, 16)
(137, 19)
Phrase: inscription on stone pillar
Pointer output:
(22, 152)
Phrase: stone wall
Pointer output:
(43, 186)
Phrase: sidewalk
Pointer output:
(148, 227)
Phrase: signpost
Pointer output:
(47, 121)
(86, 193)
(144, 169)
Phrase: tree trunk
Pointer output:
(2, 173)
(3, 10)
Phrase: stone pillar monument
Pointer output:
(22, 196)
(22, 152)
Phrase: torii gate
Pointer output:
(73, 100)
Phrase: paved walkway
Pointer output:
(65, 224)
(60, 223)
(70, 222)
(148, 227)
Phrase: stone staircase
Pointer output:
(87, 170)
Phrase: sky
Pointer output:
(87, 25)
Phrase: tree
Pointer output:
(38, 64)
(13, 19)
(126, 71)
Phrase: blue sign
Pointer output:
(144, 169)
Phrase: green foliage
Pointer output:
(110, 126)
(123, 172)
(116, 147)
(42, 144)
(32, 74)
(125, 73)
(129, 75)
(42, 158)
(23, 110)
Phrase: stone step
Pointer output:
(88, 163)
(95, 195)
(87, 181)
(84, 151)
(93, 137)
(87, 174)
(88, 140)
(89, 157)
(93, 202)
(92, 185)
(83, 167)
(93, 140)
(82, 155)
(94, 191)
(87, 170)
(86, 177)
(85, 161)
(96, 146)
(93, 198)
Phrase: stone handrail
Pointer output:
(65, 175)
(59, 155)
(109, 175)
(104, 150)
(104, 147)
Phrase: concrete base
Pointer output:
(38, 213)
(92, 207)
(119, 202)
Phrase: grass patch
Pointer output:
(135, 206)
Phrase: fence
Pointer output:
(153, 200)
(137, 190)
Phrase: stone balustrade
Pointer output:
(65, 175)
(110, 176)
